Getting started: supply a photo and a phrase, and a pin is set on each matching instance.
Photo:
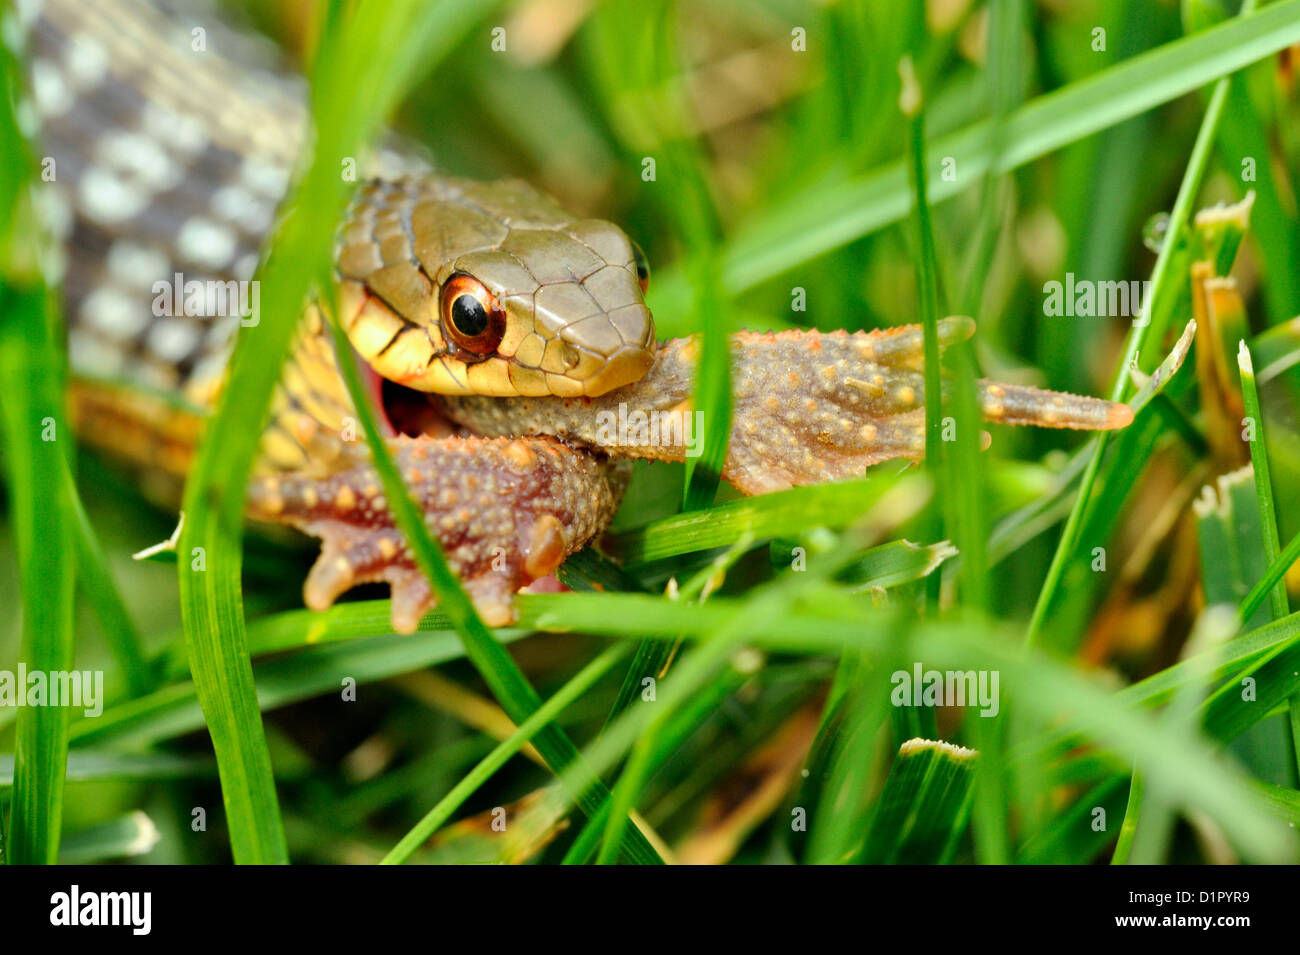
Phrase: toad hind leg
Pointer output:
(506, 511)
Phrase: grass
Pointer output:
(37, 460)
(720, 683)
(346, 116)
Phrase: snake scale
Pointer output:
(502, 335)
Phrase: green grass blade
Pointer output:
(1267, 512)
(1266, 584)
(100, 765)
(848, 748)
(353, 91)
(635, 56)
(782, 513)
(1039, 684)
(1160, 277)
(927, 269)
(122, 838)
(923, 809)
(173, 710)
(506, 681)
(1285, 802)
(829, 215)
(1078, 836)
(1263, 485)
(37, 466)
(548, 711)
(120, 632)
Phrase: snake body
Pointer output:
(513, 331)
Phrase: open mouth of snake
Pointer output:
(410, 412)
(404, 410)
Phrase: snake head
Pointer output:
(459, 287)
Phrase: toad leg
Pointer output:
(808, 406)
(507, 512)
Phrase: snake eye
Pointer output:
(471, 318)
(642, 266)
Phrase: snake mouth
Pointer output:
(410, 412)
(402, 410)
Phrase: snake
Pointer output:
(506, 341)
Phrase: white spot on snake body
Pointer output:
(108, 199)
(86, 60)
(236, 204)
(53, 95)
(265, 177)
(90, 354)
(172, 339)
(184, 133)
(142, 156)
(206, 243)
(114, 313)
(136, 265)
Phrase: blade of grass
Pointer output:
(782, 513)
(1266, 585)
(912, 106)
(122, 838)
(649, 746)
(37, 464)
(848, 748)
(653, 655)
(704, 702)
(483, 771)
(99, 765)
(893, 564)
(1160, 276)
(923, 809)
(1149, 818)
(101, 591)
(506, 681)
(1040, 684)
(635, 56)
(927, 283)
(1245, 142)
(173, 710)
(1263, 485)
(1078, 836)
(831, 214)
(1256, 646)
(354, 87)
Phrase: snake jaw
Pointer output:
(506, 511)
